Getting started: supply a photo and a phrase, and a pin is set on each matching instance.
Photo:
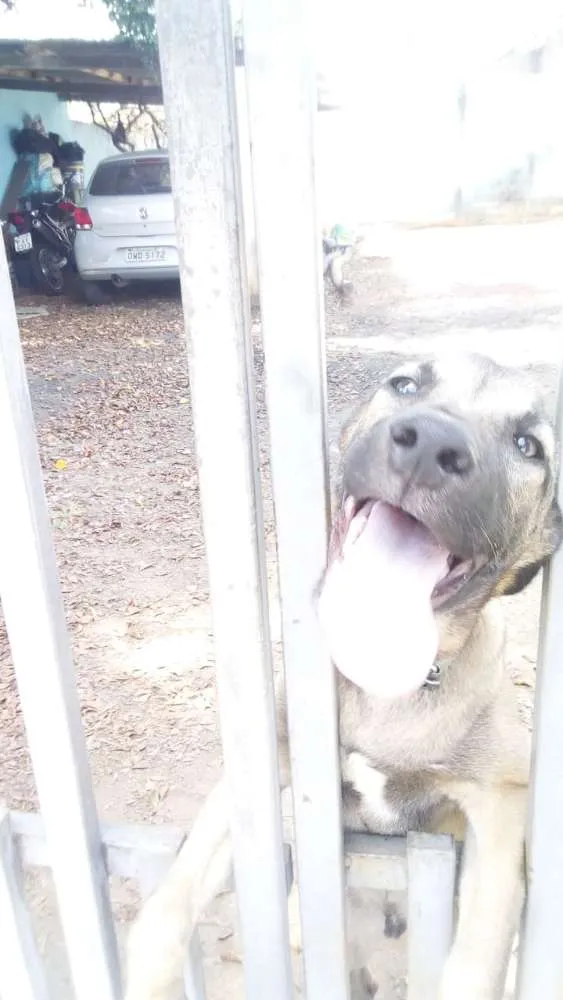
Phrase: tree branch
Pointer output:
(95, 108)
(121, 123)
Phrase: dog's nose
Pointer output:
(427, 448)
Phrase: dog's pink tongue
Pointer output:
(375, 605)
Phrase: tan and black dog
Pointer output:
(463, 451)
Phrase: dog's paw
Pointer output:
(395, 924)
(466, 991)
(462, 981)
(362, 984)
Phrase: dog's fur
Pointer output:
(421, 761)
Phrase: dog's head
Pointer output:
(451, 464)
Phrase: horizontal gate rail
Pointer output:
(134, 850)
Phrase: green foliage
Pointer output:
(135, 21)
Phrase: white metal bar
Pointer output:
(431, 862)
(34, 615)
(22, 976)
(282, 101)
(196, 50)
(194, 973)
(541, 955)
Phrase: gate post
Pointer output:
(197, 58)
(540, 970)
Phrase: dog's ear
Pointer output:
(519, 577)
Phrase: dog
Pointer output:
(445, 502)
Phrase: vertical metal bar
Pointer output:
(194, 974)
(34, 615)
(431, 863)
(541, 956)
(282, 104)
(21, 970)
(196, 53)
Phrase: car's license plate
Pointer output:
(145, 255)
(22, 243)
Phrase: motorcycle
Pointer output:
(43, 230)
(337, 251)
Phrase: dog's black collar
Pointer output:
(434, 677)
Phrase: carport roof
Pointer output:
(76, 70)
(108, 71)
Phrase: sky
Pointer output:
(37, 19)
(441, 37)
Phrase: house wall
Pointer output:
(406, 148)
(95, 142)
(15, 103)
(511, 142)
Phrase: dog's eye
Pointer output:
(403, 385)
(528, 445)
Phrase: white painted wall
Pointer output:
(246, 180)
(398, 148)
(96, 145)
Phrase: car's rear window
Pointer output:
(135, 177)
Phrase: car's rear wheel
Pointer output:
(96, 293)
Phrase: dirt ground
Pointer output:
(111, 399)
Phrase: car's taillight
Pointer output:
(82, 217)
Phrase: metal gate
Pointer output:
(198, 74)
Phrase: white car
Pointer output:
(126, 230)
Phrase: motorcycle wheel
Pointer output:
(338, 277)
(46, 268)
(336, 271)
